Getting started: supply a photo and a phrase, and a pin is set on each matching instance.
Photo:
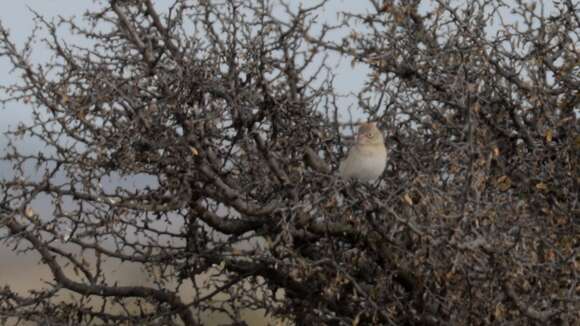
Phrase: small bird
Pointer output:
(367, 158)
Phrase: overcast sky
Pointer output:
(18, 18)
(22, 271)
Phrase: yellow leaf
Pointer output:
(549, 135)
(194, 151)
(495, 152)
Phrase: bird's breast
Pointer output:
(365, 163)
(373, 163)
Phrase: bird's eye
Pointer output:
(370, 135)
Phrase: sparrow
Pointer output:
(367, 158)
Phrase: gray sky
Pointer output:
(17, 17)
(22, 271)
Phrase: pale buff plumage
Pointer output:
(367, 158)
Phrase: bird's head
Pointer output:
(369, 134)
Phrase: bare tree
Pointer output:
(199, 141)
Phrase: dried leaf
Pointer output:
(408, 200)
(541, 186)
(504, 183)
(356, 320)
(496, 152)
(499, 312)
(386, 7)
(353, 63)
(550, 255)
(29, 212)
